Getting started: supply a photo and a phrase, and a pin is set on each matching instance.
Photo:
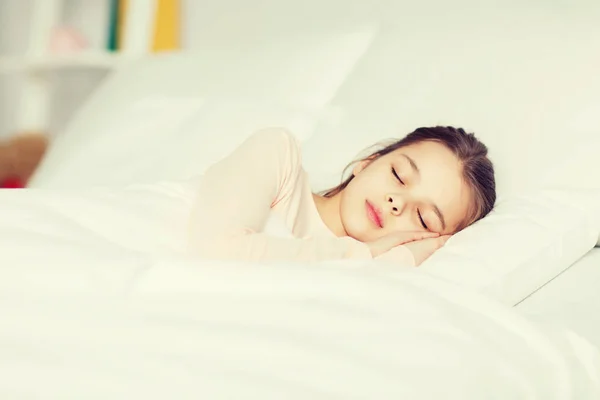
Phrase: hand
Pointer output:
(422, 249)
(391, 240)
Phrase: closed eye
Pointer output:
(397, 176)
(421, 219)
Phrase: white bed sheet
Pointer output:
(570, 300)
(96, 303)
(164, 327)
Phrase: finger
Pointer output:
(404, 237)
(425, 235)
(435, 242)
(418, 235)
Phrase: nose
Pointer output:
(397, 205)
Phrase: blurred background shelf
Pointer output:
(106, 35)
(95, 59)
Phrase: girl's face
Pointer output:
(414, 188)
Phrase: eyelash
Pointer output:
(418, 212)
(421, 219)
(397, 176)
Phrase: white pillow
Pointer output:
(170, 116)
(524, 243)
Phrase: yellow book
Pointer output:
(166, 28)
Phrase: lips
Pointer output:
(374, 214)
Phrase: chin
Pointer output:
(360, 232)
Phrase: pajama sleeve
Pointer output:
(236, 196)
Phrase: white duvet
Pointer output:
(98, 302)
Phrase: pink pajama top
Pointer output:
(263, 178)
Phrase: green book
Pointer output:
(113, 16)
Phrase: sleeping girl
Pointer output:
(401, 203)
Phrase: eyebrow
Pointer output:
(437, 212)
(412, 164)
(435, 208)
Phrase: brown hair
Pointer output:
(478, 170)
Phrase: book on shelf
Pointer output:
(165, 27)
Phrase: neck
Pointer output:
(329, 211)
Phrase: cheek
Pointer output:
(353, 218)
(405, 223)
(348, 208)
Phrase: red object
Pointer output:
(12, 183)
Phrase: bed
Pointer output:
(131, 326)
(99, 300)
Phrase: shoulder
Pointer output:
(279, 143)
(276, 138)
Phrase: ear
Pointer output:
(361, 165)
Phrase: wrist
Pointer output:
(399, 255)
